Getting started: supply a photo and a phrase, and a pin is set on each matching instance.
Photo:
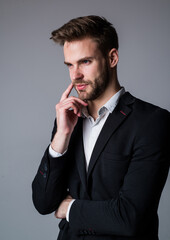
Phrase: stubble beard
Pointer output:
(97, 87)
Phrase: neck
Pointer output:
(95, 105)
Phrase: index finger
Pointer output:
(66, 92)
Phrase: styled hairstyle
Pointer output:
(95, 27)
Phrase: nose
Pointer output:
(76, 74)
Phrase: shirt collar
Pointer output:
(108, 106)
(113, 101)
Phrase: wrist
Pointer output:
(60, 142)
(68, 209)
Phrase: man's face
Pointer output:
(87, 67)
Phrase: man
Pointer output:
(108, 160)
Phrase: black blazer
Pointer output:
(118, 198)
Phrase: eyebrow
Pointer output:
(80, 60)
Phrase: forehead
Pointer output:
(78, 49)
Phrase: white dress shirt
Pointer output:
(92, 129)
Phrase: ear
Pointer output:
(113, 57)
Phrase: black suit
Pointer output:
(118, 198)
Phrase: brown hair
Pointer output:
(92, 26)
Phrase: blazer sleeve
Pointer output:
(138, 199)
(49, 186)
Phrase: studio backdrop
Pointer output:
(33, 76)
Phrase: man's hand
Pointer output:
(66, 119)
(62, 210)
(67, 111)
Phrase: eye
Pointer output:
(69, 65)
(86, 61)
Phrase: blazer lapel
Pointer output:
(80, 156)
(113, 121)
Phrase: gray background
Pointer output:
(33, 76)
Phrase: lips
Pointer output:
(81, 86)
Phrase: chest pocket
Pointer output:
(114, 168)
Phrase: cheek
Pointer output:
(71, 75)
(92, 72)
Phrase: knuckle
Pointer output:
(73, 104)
(57, 106)
(72, 98)
(73, 101)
